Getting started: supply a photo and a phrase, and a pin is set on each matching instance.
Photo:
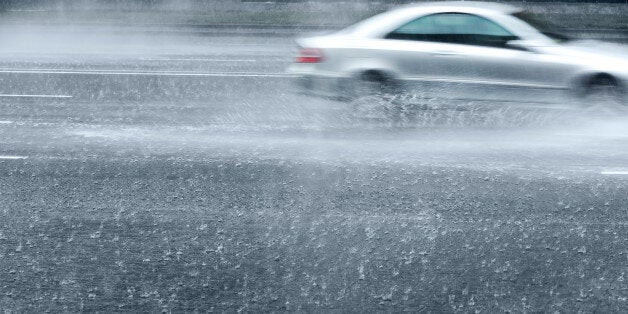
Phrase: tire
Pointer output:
(373, 83)
(603, 90)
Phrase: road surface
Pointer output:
(170, 172)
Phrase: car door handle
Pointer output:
(445, 53)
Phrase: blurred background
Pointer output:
(605, 19)
(577, 13)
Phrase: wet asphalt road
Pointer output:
(182, 173)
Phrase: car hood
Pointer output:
(592, 55)
(599, 48)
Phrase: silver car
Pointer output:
(463, 50)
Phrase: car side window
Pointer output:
(457, 28)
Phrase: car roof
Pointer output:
(384, 21)
(504, 8)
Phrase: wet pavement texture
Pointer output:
(187, 175)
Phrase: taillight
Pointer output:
(309, 55)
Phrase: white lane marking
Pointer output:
(5, 122)
(27, 10)
(620, 173)
(35, 96)
(155, 73)
(13, 157)
(199, 59)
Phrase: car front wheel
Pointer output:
(603, 90)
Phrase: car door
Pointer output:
(502, 73)
(429, 54)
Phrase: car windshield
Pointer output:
(546, 28)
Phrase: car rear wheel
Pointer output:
(373, 83)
